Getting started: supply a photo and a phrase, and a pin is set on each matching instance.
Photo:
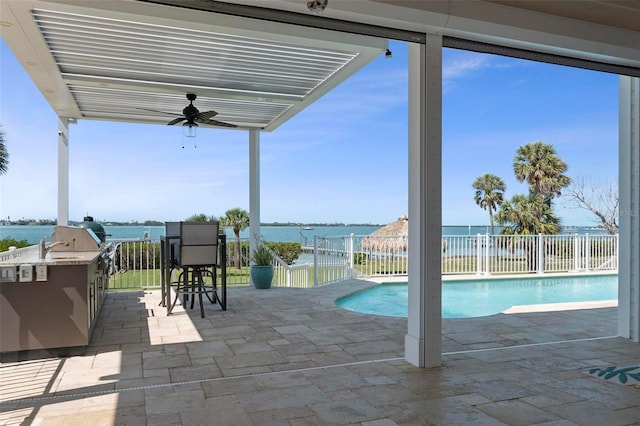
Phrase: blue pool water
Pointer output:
(478, 298)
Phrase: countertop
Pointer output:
(54, 258)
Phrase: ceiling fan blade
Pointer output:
(216, 123)
(175, 121)
(206, 115)
(192, 115)
(155, 110)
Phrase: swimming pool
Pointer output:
(478, 298)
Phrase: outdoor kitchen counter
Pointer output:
(54, 258)
(50, 303)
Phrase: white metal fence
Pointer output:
(285, 275)
(501, 254)
(339, 258)
(136, 263)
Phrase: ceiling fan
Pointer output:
(192, 116)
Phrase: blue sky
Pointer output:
(343, 159)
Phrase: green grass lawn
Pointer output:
(135, 280)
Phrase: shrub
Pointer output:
(5, 243)
(137, 255)
(360, 258)
(288, 252)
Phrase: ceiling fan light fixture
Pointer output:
(189, 129)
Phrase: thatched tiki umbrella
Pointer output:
(392, 237)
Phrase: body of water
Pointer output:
(34, 233)
(478, 298)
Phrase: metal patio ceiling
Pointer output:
(117, 60)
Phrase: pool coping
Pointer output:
(567, 306)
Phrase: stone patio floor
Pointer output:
(291, 357)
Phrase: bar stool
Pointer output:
(196, 255)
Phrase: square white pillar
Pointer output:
(423, 342)
(63, 171)
(629, 193)
(254, 188)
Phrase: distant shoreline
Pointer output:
(110, 223)
(279, 232)
(291, 224)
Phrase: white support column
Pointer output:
(63, 171)
(254, 188)
(423, 346)
(629, 190)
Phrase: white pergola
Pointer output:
(123, 60)
(259, 62)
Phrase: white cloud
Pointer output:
(463, 66)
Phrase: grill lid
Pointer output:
(96, 227)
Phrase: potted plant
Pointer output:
(261, 267)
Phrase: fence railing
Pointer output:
(16, 253)
(508, 254)
(339, 258)
(285, 275)
(136, 264)
(336, 258)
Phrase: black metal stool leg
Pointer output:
(200, 290)
(179, 289)
(206, 289)
(193, 286)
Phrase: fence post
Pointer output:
(576, 252)
(487, 258)
(587, 252)
(478, 254)
(540, 255)
(351, 274)
(315, 260)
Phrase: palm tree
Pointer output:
(538, 164)
(4, 155)
(528, 215)
(238, 220)
(489, 193)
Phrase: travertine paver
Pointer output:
(517, 413)
(594, 413)
(291, 357)
(347, 411)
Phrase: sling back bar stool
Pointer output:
(198, 253)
